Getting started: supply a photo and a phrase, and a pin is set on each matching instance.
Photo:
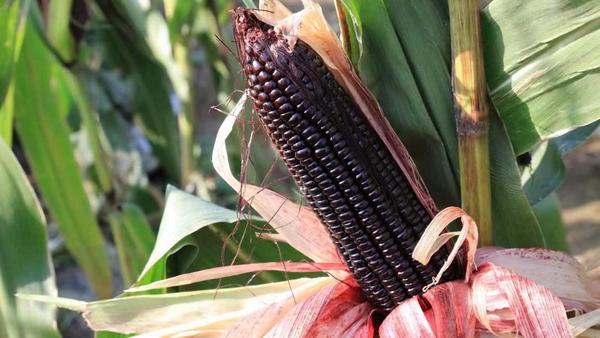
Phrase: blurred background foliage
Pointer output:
(105, 103)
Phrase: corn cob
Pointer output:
(345, 172)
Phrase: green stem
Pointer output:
(470, 98)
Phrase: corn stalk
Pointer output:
(470, 100)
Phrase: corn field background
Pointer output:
(109, 109)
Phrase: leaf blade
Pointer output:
(25, 264)
(44, 136)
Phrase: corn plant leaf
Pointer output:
(134, 239)
(7, 113)
(97, 141)
(415, 110)
(45, 138)
(548, 214)
(385, 69)
(195, 235)
(542, 64)
(544, 174)
(11, 38)
(184, 214)
(58, 19)
(571, 140)
(239, 269)
(108, 334)
(25, 264)
(126, 44)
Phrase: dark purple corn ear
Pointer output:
(346, 173)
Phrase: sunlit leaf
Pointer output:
(58, 19)
(542, 60)
(572, 139)
(7, 113)
(25, 264)
(184, 214)
(12, 31)
(45, 138)
(385, 69)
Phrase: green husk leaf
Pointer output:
(573, 139)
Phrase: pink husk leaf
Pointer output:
(451, 313)
(406, 320)
(260, 322)
(534, 310)
(339, 308)
(272, 237)
(234, 270)
(555, 270)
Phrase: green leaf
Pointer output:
(153, 92)
(7, 112)
(107, 334)
(45, 138)
(515, 223)
(404, 52)
(195, 234)
(249, 3)
(548, 213)
(545, 173)
(58, 19)
(97, 141)
(573, 139)
(385, 69)
(11, 37)
(184, 214)
(542, 64)
(134, 239)
(25, 264)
